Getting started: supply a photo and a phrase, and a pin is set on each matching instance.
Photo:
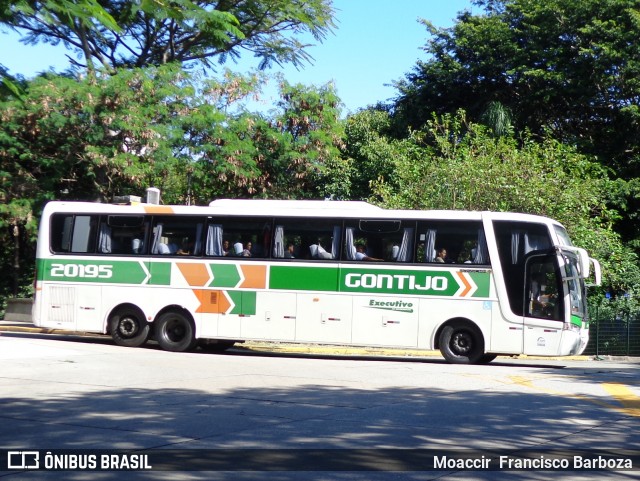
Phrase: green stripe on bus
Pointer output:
(224, 275)
(483, 281)
(384, 281)
(244, 302)
(93, 271)
(303, 278)
(576, 320)
(160, 273)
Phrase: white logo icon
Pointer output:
(23, 460)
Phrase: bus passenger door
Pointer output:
(543, 305)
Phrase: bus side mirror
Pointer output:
(585, 262)
(585, 267)
(597, 272)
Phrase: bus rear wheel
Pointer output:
(175, 332)
(461, 343)
(129, 328)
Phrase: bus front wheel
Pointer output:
(461, 343)
(129, 328)
(175, 332)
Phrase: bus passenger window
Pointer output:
(177, 235)
(73, 233)
(238, 237)
(452, 242)
(379, 240)
(315, 239)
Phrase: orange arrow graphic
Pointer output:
(467, 286)
(195, 274)
(212, 302)
(255, 277)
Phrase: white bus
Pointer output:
(472, 284)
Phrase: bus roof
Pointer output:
(286, 208)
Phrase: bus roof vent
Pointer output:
(153, 195)
(126, 199)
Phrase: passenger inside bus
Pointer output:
(441, 255)
(289, 253)
(186, 249)
(361, 254)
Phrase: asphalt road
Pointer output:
(377, 414)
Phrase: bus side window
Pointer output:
(542, 289)
(239, 237)
(122, 234)
(380, 240)
(73, 233)
(308, 239)
(452, 242)
(177, 235)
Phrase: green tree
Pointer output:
(134, 34)
(561, 68)
(454, 164)
(309, 162)
(113, 135)
(372, 150)
(294, 151)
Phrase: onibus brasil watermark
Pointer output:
(319, 460)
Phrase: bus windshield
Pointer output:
(563, 236)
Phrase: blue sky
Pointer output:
(375, 42)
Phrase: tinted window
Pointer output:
(516, 240)
(379, 240)
(310, 239)
(73, 233)
(239, 237)
(452, 242)
(177, 235)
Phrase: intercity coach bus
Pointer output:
(474, 285)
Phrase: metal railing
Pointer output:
(613, 334)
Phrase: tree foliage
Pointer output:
(117, 134)
(134, 34)
(561, 67)
(455, 164)
(372, 150)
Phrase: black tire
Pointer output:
(129, 328)
(461, 343)
(215, 345)
(174, 332)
